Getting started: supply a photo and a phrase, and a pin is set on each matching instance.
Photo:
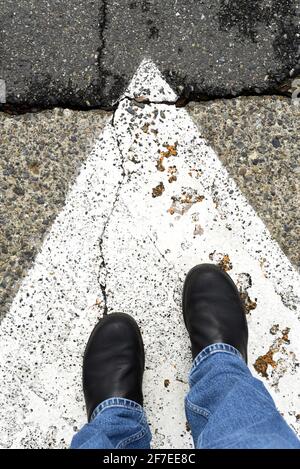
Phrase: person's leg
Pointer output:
(116, 423)
(113, 369)
(226, 406)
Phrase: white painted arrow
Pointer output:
(151, 201)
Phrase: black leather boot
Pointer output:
(213, 311)
(113, 363)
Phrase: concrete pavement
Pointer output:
(40, 156)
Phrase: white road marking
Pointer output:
(113, 232)
(149, 83)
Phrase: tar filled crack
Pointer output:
(182, 101)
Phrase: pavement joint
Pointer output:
(287, 89)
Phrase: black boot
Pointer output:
(113, 363)
(213, 311)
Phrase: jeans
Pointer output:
(226, 407)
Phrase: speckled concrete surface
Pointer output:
(120, 245)
(40, 155)
(258, 140)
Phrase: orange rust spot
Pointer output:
(189, 199)
(261, 364)
(171, 151)
(159, 164)
(145, 128)
(225, 263)
(285, 335)
(172, 170)
(184, 202)
(249, 304)
(158, 190)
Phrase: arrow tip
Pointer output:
(149, 84)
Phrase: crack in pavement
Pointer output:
(163, 256)
(146, 101)
(102, 25)
(181, 101)
(103, 264)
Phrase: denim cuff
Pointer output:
(116, 402)
(215, 348)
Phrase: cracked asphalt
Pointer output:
(84, 53)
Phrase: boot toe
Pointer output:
(113, 361)
(213, 310)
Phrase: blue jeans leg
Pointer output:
(115, 423)
(227, 407)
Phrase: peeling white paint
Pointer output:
(145, 251)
